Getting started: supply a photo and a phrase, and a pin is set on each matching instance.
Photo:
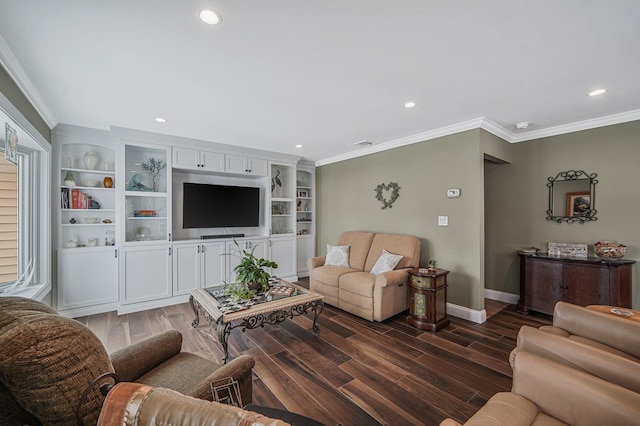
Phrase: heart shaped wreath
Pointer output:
(395, 192)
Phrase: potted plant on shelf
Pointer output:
(251, 276)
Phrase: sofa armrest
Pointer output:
(239, 369)
(619, 333)
(137, 359)
(316, 262)
(597, 362)
(391, 278)
(136, 405)
(572, 396)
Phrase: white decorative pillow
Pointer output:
(385, 263)
(337, 256)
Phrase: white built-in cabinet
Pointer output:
(246, 165)
(191, 159)
(198, 265)
(87, 278)
(145, 275)
(115, 249)
(85, 222)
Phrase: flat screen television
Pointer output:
(220, 206)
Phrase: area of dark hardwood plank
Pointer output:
(354, 371)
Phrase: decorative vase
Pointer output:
(90, 160)
(107, 182)
(69, 180)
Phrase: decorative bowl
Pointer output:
(609, 250)
(90, 183)
(91, 219)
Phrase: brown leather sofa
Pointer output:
(547, 393)
(355, 289)
(133, 404)
(48, 361)
(601, 344)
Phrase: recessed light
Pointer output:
(596, 92)
(161, 120)
(298, 146)
(409, 104)
(210, 17)
(522, 125)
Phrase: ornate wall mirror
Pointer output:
(572, 197)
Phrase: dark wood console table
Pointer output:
(545, 280)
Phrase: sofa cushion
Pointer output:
(408, 247)
(385, 263)
(330, 275)
(360, 243)
(337, 256)
(360, 283)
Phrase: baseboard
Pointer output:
(466, 313)
(501, 296)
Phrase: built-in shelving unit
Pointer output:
(305, 217)
(115, 245)
(282, 199)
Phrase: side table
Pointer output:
(428, 298)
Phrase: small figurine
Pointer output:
(432, 265)
(72, 220)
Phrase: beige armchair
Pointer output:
(48, 361)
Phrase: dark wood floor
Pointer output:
(355, 372)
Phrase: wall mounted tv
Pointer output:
(220, 206)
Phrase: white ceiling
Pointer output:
(324, 74)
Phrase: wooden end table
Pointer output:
(203, 302)
(428, 298)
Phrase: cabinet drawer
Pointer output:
(428, 282)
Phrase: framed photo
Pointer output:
(303, 194)
(11, 144)
(578, 203)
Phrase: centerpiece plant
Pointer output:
(250, 274)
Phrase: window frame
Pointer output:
(34, 201)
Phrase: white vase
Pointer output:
(90, 160)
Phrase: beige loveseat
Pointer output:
(546, 393)
(354, 289)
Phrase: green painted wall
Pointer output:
(517, 198)
(11, 91)
(346, 201)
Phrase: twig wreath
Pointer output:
(395, 192)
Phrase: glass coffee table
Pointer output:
(271, 308)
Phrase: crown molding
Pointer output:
(607, 120)
(491, 127)
(11, 64)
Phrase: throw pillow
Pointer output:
(337, 256)
(385, 263)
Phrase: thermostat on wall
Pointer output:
(454, 192)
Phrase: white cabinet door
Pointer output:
(283, 252)
(211, 161)
(246, 166)
(145, 273)
(257, 167)
(87, 277)
(305, 249)
(258, 246)
(186, 268)
(213, 264)
(184, 158)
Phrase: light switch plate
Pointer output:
(453, 192)
(443, 220)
